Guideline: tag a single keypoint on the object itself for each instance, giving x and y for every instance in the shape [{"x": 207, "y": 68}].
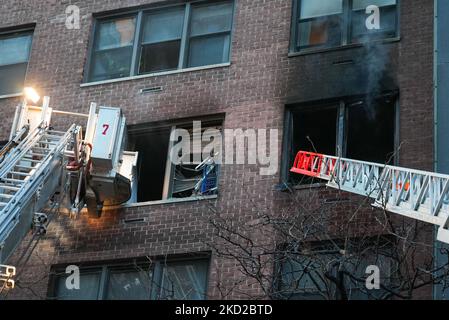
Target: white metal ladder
[
  {"x": 29, "y": 176},
  {"x": 416, "y": 194}
]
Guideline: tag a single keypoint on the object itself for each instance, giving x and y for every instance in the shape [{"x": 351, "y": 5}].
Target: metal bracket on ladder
[
  {"x": 39, "y": 223},
  {"x": 7, "y": 274},
  {"x": 416, "y": 194}
]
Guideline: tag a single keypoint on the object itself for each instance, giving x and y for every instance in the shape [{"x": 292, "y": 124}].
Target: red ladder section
[{"x": 308, "y": 163}]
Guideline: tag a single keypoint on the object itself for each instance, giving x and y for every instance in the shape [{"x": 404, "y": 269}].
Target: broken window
[
  {"x": 332, "y": 23},
  {"x": 161, "y": 39},
  {"x": 160, "y": 280},
  {"x": 160, "y": 178},
  {"x": 15, "y": 51},
  {"x": 360, "y": 129}
]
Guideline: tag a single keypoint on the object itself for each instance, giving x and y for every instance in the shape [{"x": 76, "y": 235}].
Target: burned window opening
[
  {"x": 358, "y": 128},
  {"x": 153, "y": 151},
  {"x": 160, "y": 179}
]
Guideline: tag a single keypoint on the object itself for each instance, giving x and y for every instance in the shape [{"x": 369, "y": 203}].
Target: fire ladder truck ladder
[
  {"x": 29, "y": 176},
  {"x": 416, "y": 194}
]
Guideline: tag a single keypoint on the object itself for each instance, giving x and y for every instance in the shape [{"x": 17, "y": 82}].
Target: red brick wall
[{"x": 252, "y": 92}]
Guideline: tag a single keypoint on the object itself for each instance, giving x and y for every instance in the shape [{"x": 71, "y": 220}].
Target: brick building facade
[{"x": 267, "y": 83}]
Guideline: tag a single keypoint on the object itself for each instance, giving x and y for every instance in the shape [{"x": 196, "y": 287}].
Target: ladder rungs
[
  {"x": 3, "y": 204},
  {"x": 23, "y": 174},
  {"x": 34, "y": 154},
  {"x": 40, "y": 148},
  {"x": 6, "y": 196},
  {"x": 25, "y": 167},
  {"x": 52, "y": 136},
  {"x": 13, "y": 180},
  {"x": 6, "y": 187},
  {"x": 31, "y": 160},
  {"x": 57, "y": 132}
]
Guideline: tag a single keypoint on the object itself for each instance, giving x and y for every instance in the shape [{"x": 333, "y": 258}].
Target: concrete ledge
[{"x": 156, "y": 74}]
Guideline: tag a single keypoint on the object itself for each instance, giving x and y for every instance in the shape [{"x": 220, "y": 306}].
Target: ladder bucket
[{"x": 308, "y": 163}]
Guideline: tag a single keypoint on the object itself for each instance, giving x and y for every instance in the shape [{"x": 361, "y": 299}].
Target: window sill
[
  {"x": 310, "y": 186},
  {"x": 169, "y": 201},
  {"x": 342, "y": 47},
  {"x": 14, "y": 95},
  {"x": 156, "y": 74}
]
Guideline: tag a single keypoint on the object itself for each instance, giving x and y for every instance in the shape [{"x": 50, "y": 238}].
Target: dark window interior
[
  {"x": 153, "y": 151},
  {"x": 160, "y": 56},
  {"x": 370, "y": 131},
  {"x": 315, "y": 130},
  {"x": 184, "y": 180},
  {"x": 366, "y": 132}
]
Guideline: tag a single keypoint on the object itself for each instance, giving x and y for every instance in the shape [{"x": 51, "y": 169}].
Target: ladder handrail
[
  {"x": 22, "y": 148},
  {"x": 7, "y": 213}
]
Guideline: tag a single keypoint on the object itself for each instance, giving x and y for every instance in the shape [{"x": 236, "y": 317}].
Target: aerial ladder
[
  {"x": 415, "y": 194},
  {"x": 75, "y": 168}
]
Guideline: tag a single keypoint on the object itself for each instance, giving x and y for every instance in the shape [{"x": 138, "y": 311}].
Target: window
[
  {"x": 161, "y": 280},
  {"x": 312, "y": 274},
  {"x": 361, "y": 129},
  {"x": 158, "y": 177},
  {"x": 112, "y": 52},
  {"x": 15, "y": 51},
  {"x": 148, "y": 41},
  {"x": 332, "y": 23}
]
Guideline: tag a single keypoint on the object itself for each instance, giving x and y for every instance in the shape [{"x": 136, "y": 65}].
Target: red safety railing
[{"x": 308, "y": 163}]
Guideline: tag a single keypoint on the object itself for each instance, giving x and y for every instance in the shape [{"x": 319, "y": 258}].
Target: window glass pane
[
  {"x": 209, "y": 50},
  {"x": 89, "y": 286},
  {"x": 160, "y": 56},
  {"x": 363, "y": 4},
  {"x": 15, "y": 49},
  {"x": 129, "y": 285},
  {"x": 320, "y": 31},
  {"x": 12, "y": 78},
  {"x": 186, "y": 281},
  {"x": 314, "y": 8},
  {"x": 211, "y": 19},
  {"x": 302, "y": 275},
  {"x": 358, "y": 266},
  {"x": 371, "y": 131},
  {"x": 109, "y": 64},
  {"x": 163, "y": 26},
  {"x": 388, "y": 22},
  {"x": 116, "y": 34}
]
